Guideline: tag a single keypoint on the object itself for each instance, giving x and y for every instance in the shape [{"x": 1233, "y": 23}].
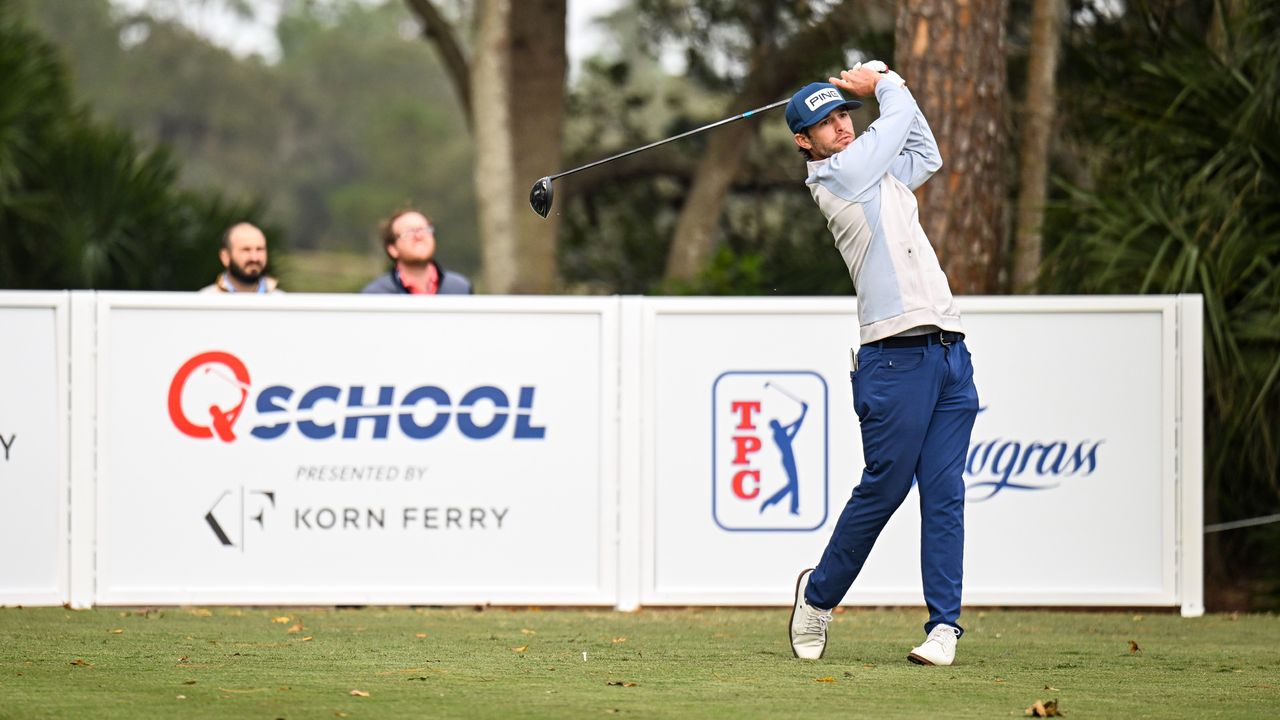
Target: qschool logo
[
  {"x": 210, "y": 392},
  {"x": 769, "y": 451},
  {"x": 816, "y": 100}
]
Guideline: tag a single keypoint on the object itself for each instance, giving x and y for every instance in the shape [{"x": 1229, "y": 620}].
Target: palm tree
[{"x": 1184, "y": 200}]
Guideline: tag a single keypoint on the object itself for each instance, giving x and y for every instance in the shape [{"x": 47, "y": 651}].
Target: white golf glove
[{"x": 880, "y": 67}]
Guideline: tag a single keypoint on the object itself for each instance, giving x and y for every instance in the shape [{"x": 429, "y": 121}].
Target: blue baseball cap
[{"x": 814, "y": 102}]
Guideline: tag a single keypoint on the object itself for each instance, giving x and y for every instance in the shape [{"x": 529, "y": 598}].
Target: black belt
[{"x": 944, "y": 337}]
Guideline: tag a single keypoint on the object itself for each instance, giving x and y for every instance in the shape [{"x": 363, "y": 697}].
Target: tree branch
[{"x": 440, "y": 33}]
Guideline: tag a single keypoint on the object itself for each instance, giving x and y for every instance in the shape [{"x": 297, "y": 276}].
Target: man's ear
[
  {"x": 392, "y": 252},
  {"x": 225, "y": 256},
  {"x": 802, "y": 139}
]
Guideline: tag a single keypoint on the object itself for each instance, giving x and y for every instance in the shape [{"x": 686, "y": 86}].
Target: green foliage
[
  {"x": 1183, "y": 199},
  {"x": 353, "y": 120},
  {"x": 81, "y": 205},
  {"x": 618, "y": 220}
]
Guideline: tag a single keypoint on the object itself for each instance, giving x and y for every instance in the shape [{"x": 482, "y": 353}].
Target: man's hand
[
  {"x": 859, "y": 80},
  {"x": 855, "y": 81}
]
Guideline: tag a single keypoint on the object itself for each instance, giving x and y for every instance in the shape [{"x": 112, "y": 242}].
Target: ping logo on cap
[{"x": 820, "y": 98}]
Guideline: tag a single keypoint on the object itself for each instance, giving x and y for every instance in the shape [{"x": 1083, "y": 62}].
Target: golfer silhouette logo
[
  {"x": 769, "y": 460},
  {"x": 783, "y": 435},
  {"x": 223, "y": 383}
]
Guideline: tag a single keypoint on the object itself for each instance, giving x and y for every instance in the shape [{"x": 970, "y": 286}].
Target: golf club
[
  {"x": 784, "y": 391},
  {"x": 540, "y": 196}
]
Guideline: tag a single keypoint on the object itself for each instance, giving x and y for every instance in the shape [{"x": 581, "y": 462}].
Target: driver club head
[{"x": 540, "y": 197}]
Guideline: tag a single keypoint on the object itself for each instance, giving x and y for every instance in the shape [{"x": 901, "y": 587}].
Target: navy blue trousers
[{"x": 916, "y": 407}]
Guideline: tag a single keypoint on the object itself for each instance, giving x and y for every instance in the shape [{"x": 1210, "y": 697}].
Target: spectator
[
  {"x": 410, "y": 242},
  {"x": 244, "y": 255}
]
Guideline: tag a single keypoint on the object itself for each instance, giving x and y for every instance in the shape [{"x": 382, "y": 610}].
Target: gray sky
[{"x": 245, "y": 38}]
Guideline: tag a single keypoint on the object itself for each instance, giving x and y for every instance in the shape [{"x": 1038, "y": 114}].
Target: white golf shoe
[
  {"x": 808, "y": 624},
  {"x": 938, "y": 649}
]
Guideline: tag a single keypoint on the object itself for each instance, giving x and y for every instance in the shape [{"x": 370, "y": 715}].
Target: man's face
[
  {"x": 415, "y": 239},
  {"x": 246, "y": 257},
  {"x": 832, "y": 134}
]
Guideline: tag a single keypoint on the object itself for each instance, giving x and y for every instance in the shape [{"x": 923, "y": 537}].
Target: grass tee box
[{"x": 390, "y": 663}]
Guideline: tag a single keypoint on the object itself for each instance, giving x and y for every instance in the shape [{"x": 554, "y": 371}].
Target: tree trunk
[
  {"x": 491, "y": 127},
  {"x": 952, "y": 57},
  {"x": 772, "y": 73},
  {"x": 1037, "y": 127},
  {"x": 441, "y": 34},
  {"x": 540, "y": 64}
]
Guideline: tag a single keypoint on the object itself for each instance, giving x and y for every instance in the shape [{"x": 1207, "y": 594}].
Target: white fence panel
[
  {"x": 338, "y": 449},
  {"x": 33, "y": 448},
  {"x": 341, "y": 449},
  {"x": 1072, "y": 480}
]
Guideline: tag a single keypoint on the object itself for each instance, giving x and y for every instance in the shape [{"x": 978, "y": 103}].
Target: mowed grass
[{"x": 731, "y": 663}]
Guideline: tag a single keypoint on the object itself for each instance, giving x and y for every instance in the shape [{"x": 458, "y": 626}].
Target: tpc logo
[
  {"x": 209, "y": 392},
  {"x": 769, "y": 451}
]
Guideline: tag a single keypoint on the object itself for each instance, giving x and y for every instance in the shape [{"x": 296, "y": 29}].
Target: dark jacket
[{"x": 451, "y": 283}]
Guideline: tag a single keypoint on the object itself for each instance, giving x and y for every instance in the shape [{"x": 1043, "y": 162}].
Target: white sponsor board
[
  {"x": 184, "y": 448},
  {"x": 33, "y": 448},
  {"x": 1072, "y": 480},
  {"x": 356, "y": 450}
]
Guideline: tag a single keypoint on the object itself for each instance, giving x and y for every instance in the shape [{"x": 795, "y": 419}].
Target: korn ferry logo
[
  {"x": 210, "y": 392},
  {"x": 769, "y": 451}
]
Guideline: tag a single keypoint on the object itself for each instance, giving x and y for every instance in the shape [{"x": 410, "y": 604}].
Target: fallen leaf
[
  {"x": 1133, "y": 648},
  {"x": 1044, "y": 709},
  {"x": 839, "y": 610},
  {"x": 182, "y": 697},
  {"x": 1050, "y": 688},
  {"x": 867, "y": 665},
  {"x": 183, "y": 659},
  {"x": 188, "y": 682},
  {"x": 522, "y": 648},
  {"x": 118, "y": 631},
  {"x": 1137, "y": 618},
  {"x": 341, "y": 714},
  {"x": 420, "y": 635},
  {"x": 825, "y": 679},
  {"x": 297, "y": 628},
  {"x": 81, "y": 663},
  {"x": 308, "y": 639},
  {"x": 359, "y": 693},
  {"x": 282, "y": 619},
  {"x": 201, "y": 612},
  {"x": 999, "y": 679},
  {"x": 527, "y": 631},
  {"x": 619, "y": 640}
]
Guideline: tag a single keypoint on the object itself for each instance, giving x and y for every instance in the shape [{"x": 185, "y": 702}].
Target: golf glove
[{"x": 880, "y": 67}]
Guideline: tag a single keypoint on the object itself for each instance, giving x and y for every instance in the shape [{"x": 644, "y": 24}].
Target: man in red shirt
[{"x": 410, "y": 241}]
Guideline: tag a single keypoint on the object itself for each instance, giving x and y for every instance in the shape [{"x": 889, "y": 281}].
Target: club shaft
[
  {"x": 786, "y": 392},
  {"x": 686, "y": 134}
]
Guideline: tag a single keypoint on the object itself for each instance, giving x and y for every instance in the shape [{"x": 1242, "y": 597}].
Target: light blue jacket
[{"x": 865, "y": 192}]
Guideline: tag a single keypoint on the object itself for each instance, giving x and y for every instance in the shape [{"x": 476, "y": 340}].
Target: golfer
[{"x": 912, "y": 378}]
